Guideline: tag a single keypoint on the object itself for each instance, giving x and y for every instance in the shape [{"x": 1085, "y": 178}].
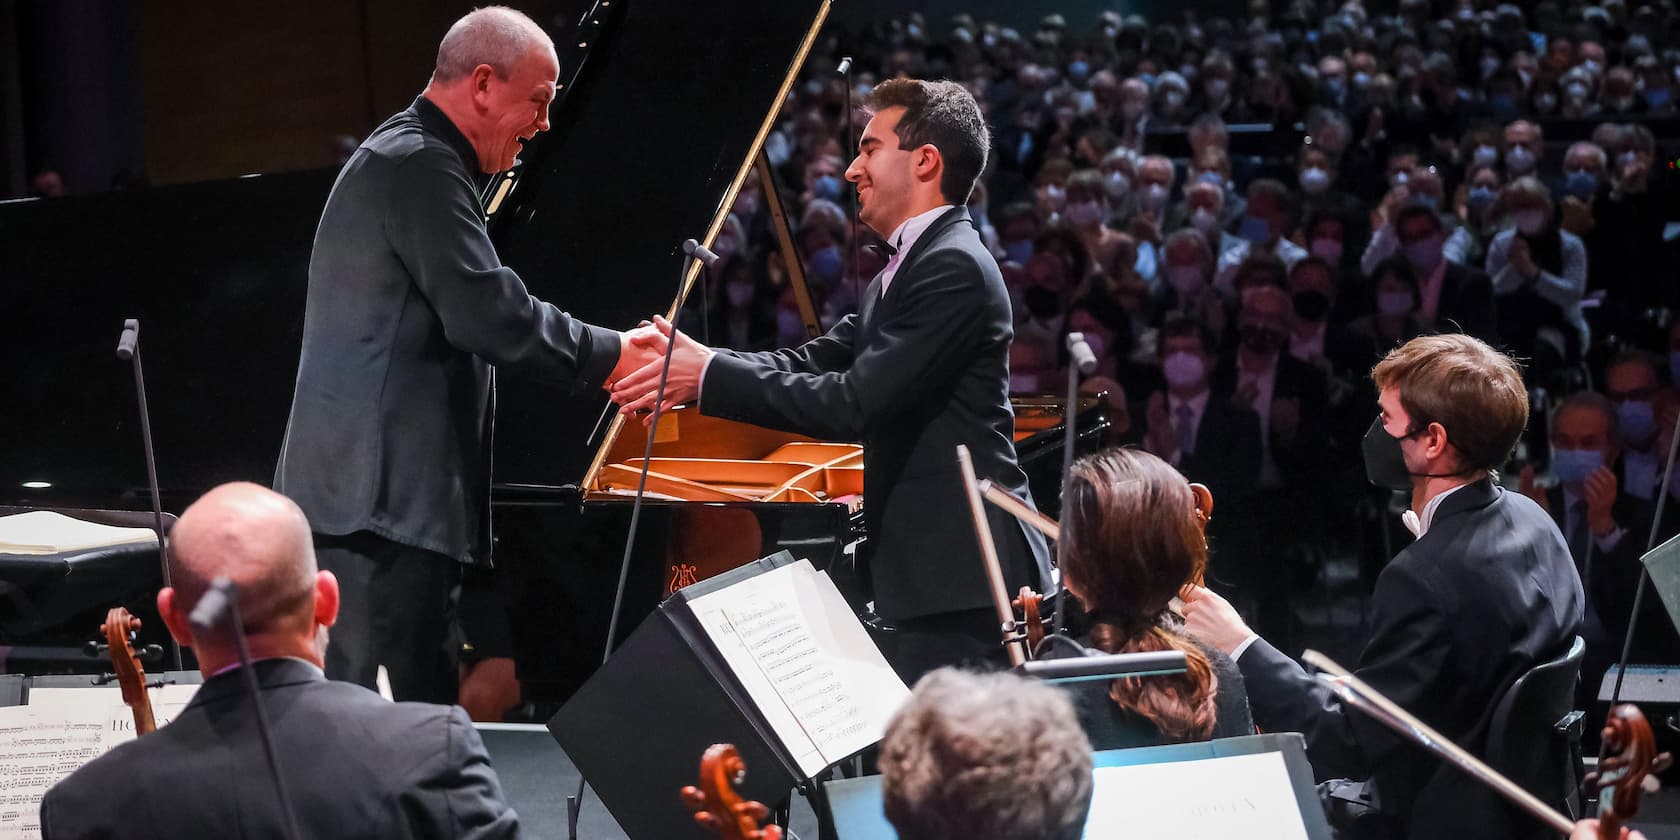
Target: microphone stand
[
  {"x": 691, "y": 249},
  {"x": 848, "y": 258},
  {"x": 223, "y": 597},
  {"x": 1080, "y": 359},
  {"x": 1644, "y": 573},
  {"x": 128, "y": 349}
]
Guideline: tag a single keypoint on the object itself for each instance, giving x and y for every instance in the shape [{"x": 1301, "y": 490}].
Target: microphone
[
  {"x": 845, "y": 66},
  {"x": 130, "y": 338},
  {"x": 128, "y": 350},
  {"x": 700, "y": 252},
  {"x": 212, "y": 604},
  {"x": 1080, "y": 353},
  {"x": 221, "y": 602}
]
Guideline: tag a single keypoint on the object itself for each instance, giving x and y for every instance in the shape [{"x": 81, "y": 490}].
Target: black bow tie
[{"x": 885, "y": 250}]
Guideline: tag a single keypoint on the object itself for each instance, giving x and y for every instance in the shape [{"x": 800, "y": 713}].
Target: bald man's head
[{"x": 260, "y": 540}]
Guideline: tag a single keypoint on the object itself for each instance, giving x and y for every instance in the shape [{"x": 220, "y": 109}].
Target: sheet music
[
  {"x": 49, "y": 532},
  {"x": 1247, "y": 796},
  {"x": 805, "y": 660},
  {"x": 60, "y": 730},
  {"x": 36, "y": 750}
]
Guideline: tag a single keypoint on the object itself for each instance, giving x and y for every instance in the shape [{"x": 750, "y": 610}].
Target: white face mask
[
  {"x": 1519, "y": 159},
  {"x": 1529, "y": 222},
  {"x": 1117, "y": 184},
  {"x": 1182, "y": 369},
  {"x": 1314, "y": 180},
  {"x": 1084, "y": 212},
  {"x": 1185, "y": 279},
  {"x": 740, "y": 294},
  {"x": 1205, "y": 221},
  {"x": 1155, "y": 197},
  {"x": 1097, "y": 343}
]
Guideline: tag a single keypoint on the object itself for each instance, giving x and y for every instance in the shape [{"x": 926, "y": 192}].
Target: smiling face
[
  {"x": 514, "y": 109},
  {"x": 885, "y": 174}
]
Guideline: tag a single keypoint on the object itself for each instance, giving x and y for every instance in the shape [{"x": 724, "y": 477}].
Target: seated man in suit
[
  {"x": 985, "y": 755},
  {"x": 1606, "y": 529},
  {"x": 1487, "y": 592},
  {"x": 355, "y": 765},
  {"x": 921, "y": 368}
]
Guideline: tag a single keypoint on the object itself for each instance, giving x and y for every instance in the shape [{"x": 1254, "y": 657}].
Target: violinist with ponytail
[{"x": 1134, "y": 531}]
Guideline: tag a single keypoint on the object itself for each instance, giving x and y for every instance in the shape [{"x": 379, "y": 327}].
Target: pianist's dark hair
[
  {"x": 1132, "y": 543},
  {"x": 945, "y": 116}
]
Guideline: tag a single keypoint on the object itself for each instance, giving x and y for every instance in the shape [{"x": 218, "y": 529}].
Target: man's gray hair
[
  {"x": 986, "y": 755},
  {"x": 1592, "y": 149},
  {"x": 494, "y": 35}
]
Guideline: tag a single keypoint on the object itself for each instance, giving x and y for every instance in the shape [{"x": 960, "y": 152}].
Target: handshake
[{"x": 643, "y": 356}]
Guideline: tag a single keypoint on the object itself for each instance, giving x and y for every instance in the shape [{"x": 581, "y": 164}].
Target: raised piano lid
[{"x": 648, "y": 148}]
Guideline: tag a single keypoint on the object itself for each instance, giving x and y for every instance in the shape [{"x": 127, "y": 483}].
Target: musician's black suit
[
  {"x": 355, "y": 766},
  {"x": 911, "y": 376},
  {"x": 1487, "y": 593}
]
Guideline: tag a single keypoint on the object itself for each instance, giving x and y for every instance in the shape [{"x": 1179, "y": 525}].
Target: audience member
[{"x": 985, "y": 755}]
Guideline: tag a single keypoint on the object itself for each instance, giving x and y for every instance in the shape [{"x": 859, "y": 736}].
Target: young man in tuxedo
[
  {"x": 921, "y": 368},
  {"x": 354, "y": 763},
  {"x": 1487, "y": 592}
]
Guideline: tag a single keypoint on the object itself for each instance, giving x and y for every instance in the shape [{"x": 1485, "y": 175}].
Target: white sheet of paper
[
  {"x": 60, "y": 730},
  {"x": 805, "y": 661},
  {"x": 49, "y": 532},
  {"x": 1247, "y": 796},
  {"x": 105, "y": 703}
]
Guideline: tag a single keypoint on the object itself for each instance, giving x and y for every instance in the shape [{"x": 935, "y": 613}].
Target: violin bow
[
  {"x": 1356, "y": 693},
  {"x": 1013, "y": 639}
]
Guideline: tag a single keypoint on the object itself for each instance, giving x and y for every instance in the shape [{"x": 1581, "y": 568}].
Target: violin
[
  {"x": 1627, "y": 758},
  {"x": 120, "y": 630},
  {"x": 716, "y": 805},
  {"x": 1031, "y": 605}
]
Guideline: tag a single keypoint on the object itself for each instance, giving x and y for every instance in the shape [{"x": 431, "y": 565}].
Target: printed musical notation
[
  {"x": 806, "y": 661},
  {"x": 59, "y": 731}
]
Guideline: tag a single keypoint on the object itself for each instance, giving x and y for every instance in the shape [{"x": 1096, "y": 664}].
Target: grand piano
[{"x": 663, "y": 110}]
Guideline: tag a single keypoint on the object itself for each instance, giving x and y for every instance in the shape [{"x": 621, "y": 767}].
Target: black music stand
[
  {"x": 39, "y": 593},
  {"x": 637, "y": 728}
]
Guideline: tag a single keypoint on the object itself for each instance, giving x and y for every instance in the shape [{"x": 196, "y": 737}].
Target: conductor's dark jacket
[
  {"x": 1487, "y": 593},
  {"x": 409, "y": 310},
  {"x": 355, "y": 766},
  {"x": 912, "y": 375}
]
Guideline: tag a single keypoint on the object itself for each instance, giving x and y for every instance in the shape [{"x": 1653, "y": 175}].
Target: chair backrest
[{"x": 1524, "y": 741}]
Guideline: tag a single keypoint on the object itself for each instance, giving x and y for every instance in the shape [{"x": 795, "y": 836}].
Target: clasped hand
[{"x": 634, "y": 384}]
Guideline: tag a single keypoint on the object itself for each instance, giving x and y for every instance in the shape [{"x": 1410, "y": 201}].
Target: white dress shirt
[{"x": 904, "y": 238}]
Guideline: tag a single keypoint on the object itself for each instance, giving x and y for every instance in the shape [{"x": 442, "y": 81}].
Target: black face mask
[
  {"x": 1261, "y": 341},
  {"x": 1042, "y": 303},
  {"x": 1385, "y": 463},
  {"x": 1312, "y": 305}
]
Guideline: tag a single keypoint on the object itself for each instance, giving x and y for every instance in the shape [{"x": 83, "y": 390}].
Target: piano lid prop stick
[
  {"x": 1013, "y": 505},
  {"x": 1357, "y": 694},
  {"x": 988, "y": 553}
]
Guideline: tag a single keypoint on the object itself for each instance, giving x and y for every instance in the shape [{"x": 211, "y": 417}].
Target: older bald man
[{"x": 355, "y": 764}]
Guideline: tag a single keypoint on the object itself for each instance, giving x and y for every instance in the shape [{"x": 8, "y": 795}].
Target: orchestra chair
[{"x": 1535, "y": 734}]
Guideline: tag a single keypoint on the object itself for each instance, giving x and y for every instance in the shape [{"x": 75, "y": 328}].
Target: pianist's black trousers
[{"x": 396, "y": 609}]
